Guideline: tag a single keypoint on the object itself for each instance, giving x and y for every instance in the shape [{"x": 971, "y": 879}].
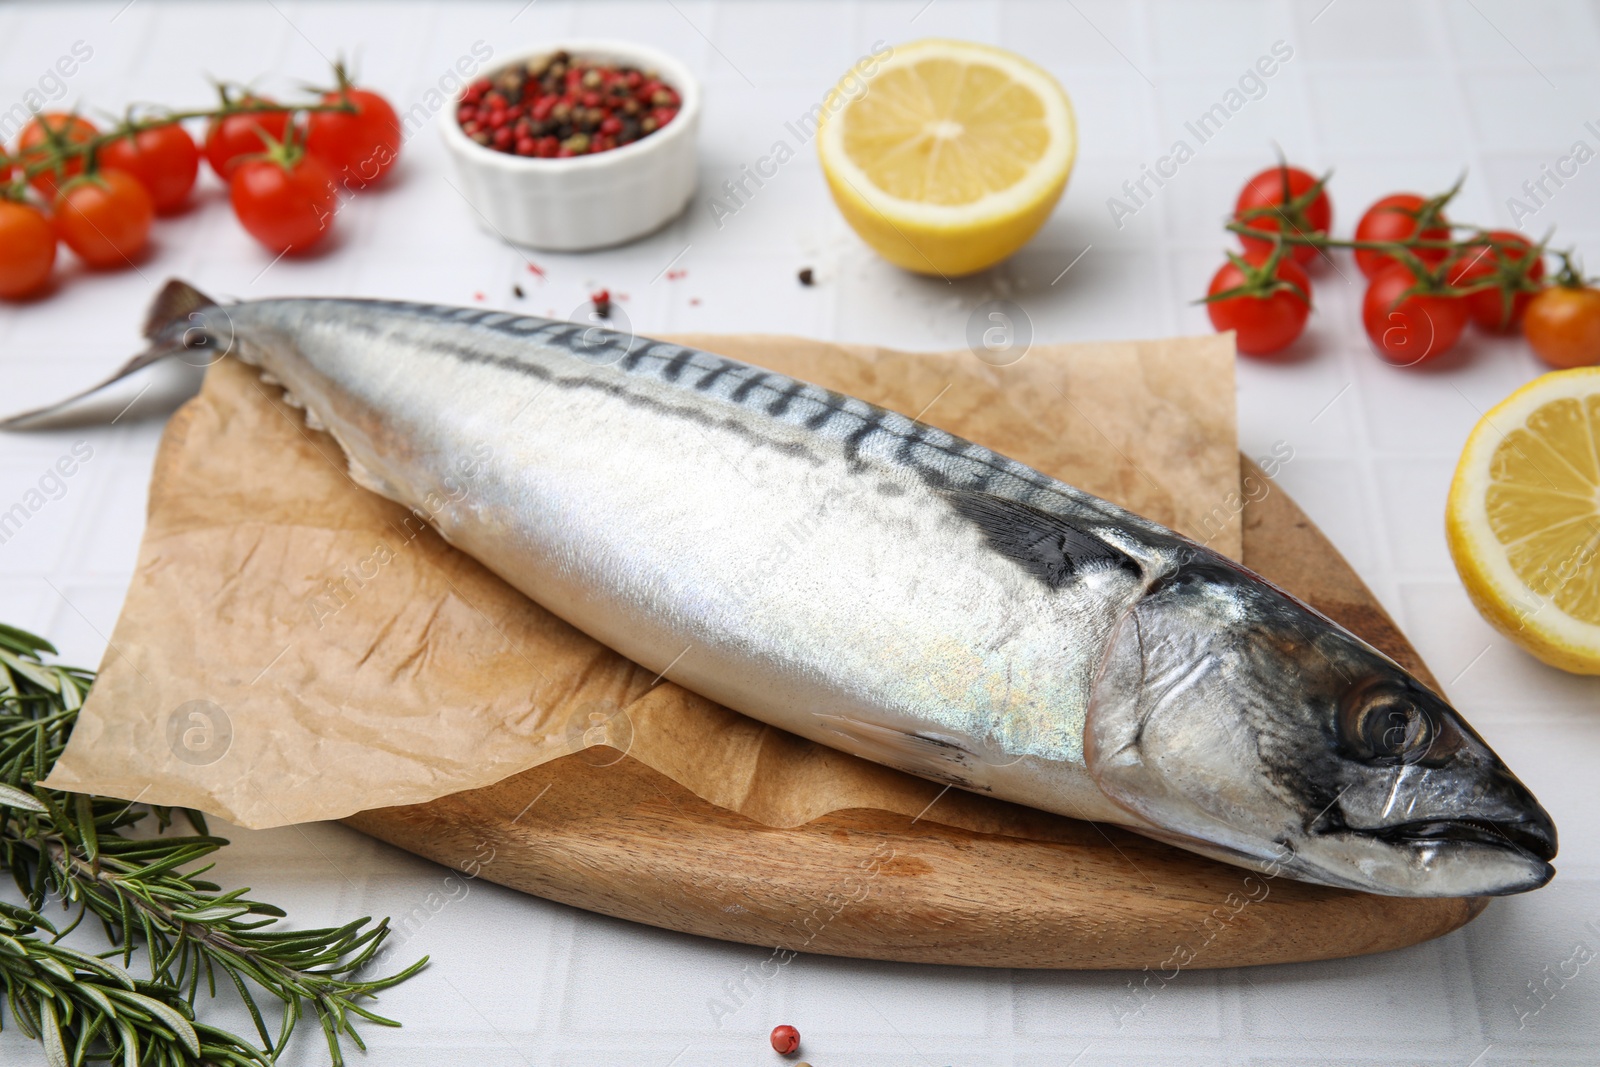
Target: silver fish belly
[{"x": 877, "y": 585}]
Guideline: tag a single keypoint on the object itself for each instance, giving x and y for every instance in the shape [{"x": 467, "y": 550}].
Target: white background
[{"x": 1392, "y": 95}]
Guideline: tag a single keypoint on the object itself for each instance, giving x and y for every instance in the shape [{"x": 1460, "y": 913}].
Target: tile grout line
[{"x": 1385, "y": 583}]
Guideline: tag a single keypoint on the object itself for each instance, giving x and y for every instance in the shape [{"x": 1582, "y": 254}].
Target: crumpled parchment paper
[{"x": 295, "y": 648}]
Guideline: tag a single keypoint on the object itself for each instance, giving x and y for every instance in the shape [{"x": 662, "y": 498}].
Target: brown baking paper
[{"x": 295, "y": 648}]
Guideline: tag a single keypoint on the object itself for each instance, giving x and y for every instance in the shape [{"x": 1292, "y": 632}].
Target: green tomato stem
[{"x": 52, "y": 157}]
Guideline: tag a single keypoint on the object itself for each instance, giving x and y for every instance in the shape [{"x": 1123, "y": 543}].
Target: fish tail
[
  {"x": 178, "y": 302},
  {"x": 175, "y": 303}
]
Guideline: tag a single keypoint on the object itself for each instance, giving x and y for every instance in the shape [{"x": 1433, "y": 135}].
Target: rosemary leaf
[{"x": 148, "y": 895}]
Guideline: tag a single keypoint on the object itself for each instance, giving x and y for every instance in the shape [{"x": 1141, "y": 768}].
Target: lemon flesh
[
  {"x": 950, "y": 156},
  {"x": 1523, "y": 520}
]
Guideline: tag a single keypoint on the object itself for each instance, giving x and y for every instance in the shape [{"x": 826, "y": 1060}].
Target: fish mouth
[
  {"x": 1534, "y": 838},
  {"x": 1438, "y": 856}
]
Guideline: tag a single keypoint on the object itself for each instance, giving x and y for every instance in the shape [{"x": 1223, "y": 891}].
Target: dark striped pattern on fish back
[{"x": 863, "y": 431}]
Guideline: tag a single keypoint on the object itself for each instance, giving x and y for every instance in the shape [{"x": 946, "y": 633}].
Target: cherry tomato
[
  {"x": 1392, "y": 219},
  {"x": 1266, "y": 190},
  {"x": 32, "y": 147},
  {"x": 286, "y": 206},
  {"x": 1488, "y": 308},
  {"x": 240, "y": 135},
  {"x": 359, "y": 147},
  {"x": 105, "y": 218},
  {"x": 1418, "y": 328},
  {"x": 1563, "y": 326},
  {"x": 1262, "y": 324},
  {"x": 27, "y": 249},
  {"x": 163, "y": 158}
]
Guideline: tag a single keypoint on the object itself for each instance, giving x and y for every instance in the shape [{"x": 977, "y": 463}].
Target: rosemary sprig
[{"x": 153, "y": 903}]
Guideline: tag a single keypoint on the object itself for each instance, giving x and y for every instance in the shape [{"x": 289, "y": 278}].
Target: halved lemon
[
  {"x": 948, "y": 156},
  {"x": 1523, "y": 519}
]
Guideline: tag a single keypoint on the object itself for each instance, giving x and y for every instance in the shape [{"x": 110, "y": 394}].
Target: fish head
[{"x": 1242, "y": 724}]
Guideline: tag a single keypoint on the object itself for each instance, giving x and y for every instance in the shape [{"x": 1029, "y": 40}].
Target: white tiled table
[{"x": 1393, "y": 95}]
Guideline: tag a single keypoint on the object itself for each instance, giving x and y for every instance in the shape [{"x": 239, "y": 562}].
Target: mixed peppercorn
[{"x": 557, "y": 106}]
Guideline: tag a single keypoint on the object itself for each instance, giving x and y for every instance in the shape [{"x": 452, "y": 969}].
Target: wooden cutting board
[{"x": 624, "y": 840}]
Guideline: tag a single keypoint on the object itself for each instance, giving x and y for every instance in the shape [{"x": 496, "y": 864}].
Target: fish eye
[
  {"x": 1386, "y": 724},
  {"x": 1396, "y": 729}
]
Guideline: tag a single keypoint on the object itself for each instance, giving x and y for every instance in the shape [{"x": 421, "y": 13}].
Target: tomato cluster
[
  {"x": 1426, "y": 277},
  {"x": 100, "y": 192}
]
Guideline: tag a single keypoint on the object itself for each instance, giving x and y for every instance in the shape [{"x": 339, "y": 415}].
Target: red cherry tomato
[
  {"x": 1393, "y": 219},
  {"x": 27, "y": 249},
  {"x": 1563, "y": 326},
  {"x": 105, "y": 218},
  {"x": 240, "y": 135},
  {"x": 287, "y": 207},
  {"x": 1267, "y": 190},
  {"x": 32, "y": 147},
  {"x": 1262, "y": 324},
  {"x": 1414, "y": 330},
  {"x": 163, "y": 158},
  {"x": 1488, "y": 307},
  {"x": 358, "y": 147}
]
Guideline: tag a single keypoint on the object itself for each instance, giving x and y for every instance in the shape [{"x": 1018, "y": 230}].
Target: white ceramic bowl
[{"x": 590, "y": 201}]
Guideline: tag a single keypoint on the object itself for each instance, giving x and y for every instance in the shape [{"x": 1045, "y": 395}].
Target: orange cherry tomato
[
  {"x": 1563, "y": 325},
  {"x": 27, "y": 249}
]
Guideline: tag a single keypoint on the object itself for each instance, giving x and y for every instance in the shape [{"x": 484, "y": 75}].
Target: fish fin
[
  {"x": 175, "y": 303},
  {"x": 1052, "y": 548},
  {"x": 355, "y": 468},
  {"x": 365, "y": 478},
  {"x": 942, "y": 759}
]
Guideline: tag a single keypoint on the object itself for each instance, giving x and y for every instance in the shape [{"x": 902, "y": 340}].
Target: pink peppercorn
[{"x": 785, "y": 1039}]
